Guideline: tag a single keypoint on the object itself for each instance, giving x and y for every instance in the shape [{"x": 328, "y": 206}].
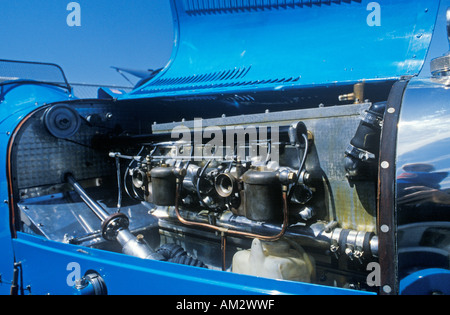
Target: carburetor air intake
[
  {"x": 262, "y": 195},
  {"x": 163, "y": 186}
]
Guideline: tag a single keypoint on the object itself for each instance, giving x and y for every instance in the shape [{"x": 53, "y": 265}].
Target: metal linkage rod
[{"x": 92, "y": 204}]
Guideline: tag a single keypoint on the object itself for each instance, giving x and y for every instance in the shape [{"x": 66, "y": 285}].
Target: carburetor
[{"x": 247, "y": 186}]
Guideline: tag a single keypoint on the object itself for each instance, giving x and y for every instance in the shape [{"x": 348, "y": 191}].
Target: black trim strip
[{"x": 386, "y": 221}]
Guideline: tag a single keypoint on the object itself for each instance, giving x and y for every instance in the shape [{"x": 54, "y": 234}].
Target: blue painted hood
[{"x": 222, "y": 46}]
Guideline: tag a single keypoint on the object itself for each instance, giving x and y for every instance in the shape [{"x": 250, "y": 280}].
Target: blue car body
[{"x": 234, "y": 58}]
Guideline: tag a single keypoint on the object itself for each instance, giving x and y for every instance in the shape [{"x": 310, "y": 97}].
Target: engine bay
[{"x": 289, "y": 195}]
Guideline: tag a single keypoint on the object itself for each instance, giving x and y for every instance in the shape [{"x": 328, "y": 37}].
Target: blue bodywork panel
[
  {"x": 135, "y": 276},
  {"x": 279, "y": 45},
  {"x": 425, "y": 282},
  {"x": 17, "y": 100}
]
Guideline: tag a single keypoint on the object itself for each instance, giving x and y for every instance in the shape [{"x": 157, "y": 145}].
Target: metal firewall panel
[
  {"x": 42, "y": 159},
  {"x": 223, "y": 46}
]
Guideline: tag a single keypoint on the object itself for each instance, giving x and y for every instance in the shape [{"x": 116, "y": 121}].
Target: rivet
[
  {"x": 385, "y": 164},
  {"x": 384, "y": 228},
  {"x": 387, "y": 289},
  {"x": 391, "y": 110}
]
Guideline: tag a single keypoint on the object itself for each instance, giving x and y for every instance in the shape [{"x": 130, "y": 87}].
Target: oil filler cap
[
  {"x": 62, "y": 121},
  {"x": 440, "y": 67}
]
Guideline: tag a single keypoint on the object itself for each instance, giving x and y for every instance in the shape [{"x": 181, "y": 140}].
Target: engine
[
  {"x": 254, "y": 187},
  {"x": 285, "y": 195},
  {"x": 307, "y": 166}
]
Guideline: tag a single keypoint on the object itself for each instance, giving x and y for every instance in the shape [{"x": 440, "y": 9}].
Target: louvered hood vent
[
  {"x": 196, "y": 7},
  {"x": 246, "y": 46}
]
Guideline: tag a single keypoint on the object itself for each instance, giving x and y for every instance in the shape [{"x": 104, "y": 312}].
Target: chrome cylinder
[
  {"x": 136, "y": 246},
  {"x": 225, "y": 185}
]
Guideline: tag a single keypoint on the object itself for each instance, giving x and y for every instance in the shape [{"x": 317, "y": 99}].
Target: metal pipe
[
  {"x": 155, "y": 138},
  {"x": 92, "y": 204},
  {"x": 235, "y": 232},
  {"x": 119, "y": 185},
  {"x": 125, "y": 157},
  {"x": 223, "y": 247},
  {"x": 136, "y": 246},
  {"x": 319, "y": 235}
]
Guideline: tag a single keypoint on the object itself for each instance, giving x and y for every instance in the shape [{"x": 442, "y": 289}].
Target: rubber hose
[{"x": 176, "y": 254}]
